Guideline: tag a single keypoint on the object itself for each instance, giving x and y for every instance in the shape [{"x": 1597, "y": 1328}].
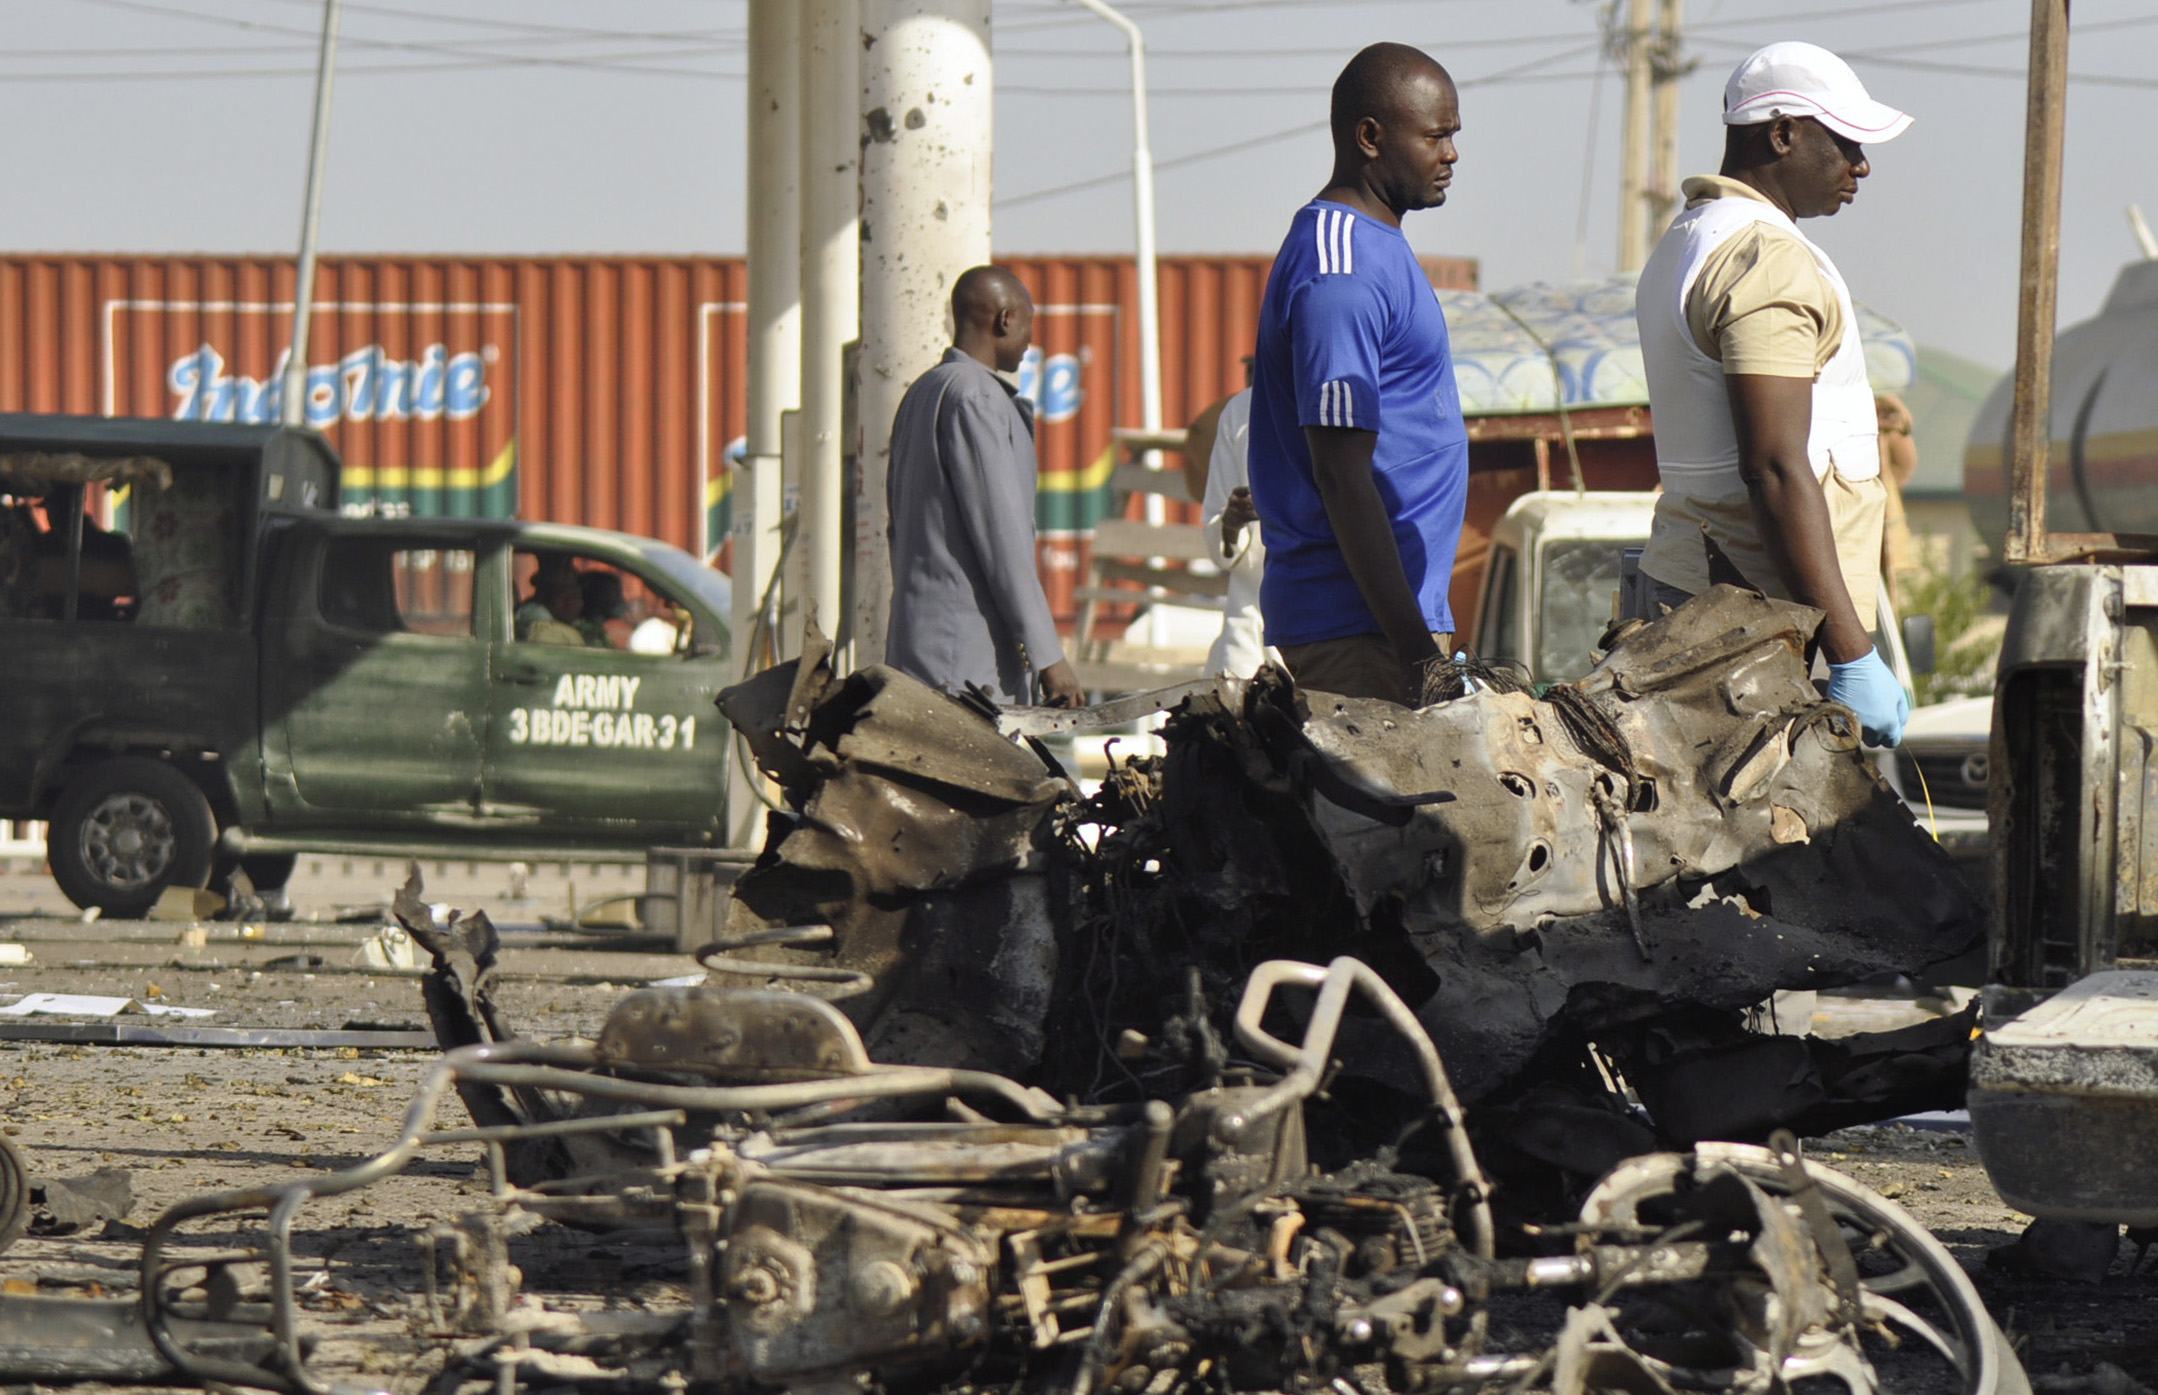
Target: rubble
[
  {"x": 1071, "y": 1104},
  {"x": 1614, "y": 869},
  {"x": 928, "y": 844},
  {"x": 845, "y": 1221}
]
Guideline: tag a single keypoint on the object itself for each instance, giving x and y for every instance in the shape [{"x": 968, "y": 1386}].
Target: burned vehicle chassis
[
  {"x": 1254, "y": 1173},
  {"x": 847, "y": 1223}
]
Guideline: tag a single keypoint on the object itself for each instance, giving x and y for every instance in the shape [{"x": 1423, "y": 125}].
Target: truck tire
[{"x": 124, "y": 830}]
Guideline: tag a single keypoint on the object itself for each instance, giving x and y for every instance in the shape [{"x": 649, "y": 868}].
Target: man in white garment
[
  {"x": 1232, "y": 526},
  {"x": 1766, "y": 437}
]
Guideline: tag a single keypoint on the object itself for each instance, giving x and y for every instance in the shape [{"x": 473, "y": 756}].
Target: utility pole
[
  {"x": 293, "y": 391},
  {"x": 926, "y": 142},
  {"x": 1648, "y": 159},
  {"x": 774, "y": 157},
  {"x": 1661, "y": 197},
  {"x": 1142, "y": 186},
  {"x": 1634, "y": 140},
  {"x": 831, "y": 294}
]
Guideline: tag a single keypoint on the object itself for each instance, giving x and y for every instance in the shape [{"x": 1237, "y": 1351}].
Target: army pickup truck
[{"x": 210, "y": 668}]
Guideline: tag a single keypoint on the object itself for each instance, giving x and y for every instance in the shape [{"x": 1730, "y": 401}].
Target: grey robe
[{"x": 967, "y": 602}]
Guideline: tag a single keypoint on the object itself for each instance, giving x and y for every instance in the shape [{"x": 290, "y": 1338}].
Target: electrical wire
[
  {"x": 525, "y": 26},
  {"x": 464, "y": 53},
  {"x": 1519, "y": 73},
  {"x": 694, "y": 40},
  {"x": 1606, "y": 25},
  {"x": 2083, "y": 27},
  {"x": 1138, "y": 9},
  {"x": 1267, "y": 90},
  {"x": 1433, "y": 46},
  {"x": 345, "y": 70},
  {"x": 1441, "y": 47},
  {"x": 1168, "y": 9},
  {"x": 1892, "y": 58},
  {"x": 1932, "y": 823}
]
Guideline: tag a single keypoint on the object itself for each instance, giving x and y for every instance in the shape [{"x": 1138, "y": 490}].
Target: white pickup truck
[{"x": 1550, "y": 589}]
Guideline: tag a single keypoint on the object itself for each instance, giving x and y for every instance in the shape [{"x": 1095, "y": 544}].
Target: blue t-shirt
[{"x": 1351, "y": 334}]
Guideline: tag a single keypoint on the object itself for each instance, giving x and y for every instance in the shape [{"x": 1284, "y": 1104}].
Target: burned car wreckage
[{"x": 1296, "y": 1058}]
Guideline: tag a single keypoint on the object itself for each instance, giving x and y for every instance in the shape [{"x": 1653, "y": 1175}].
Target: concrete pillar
[
  {"x": 831, "y": 289},
  {"x": 774, "y": 175},
  {"x": 926, "y": 114}
]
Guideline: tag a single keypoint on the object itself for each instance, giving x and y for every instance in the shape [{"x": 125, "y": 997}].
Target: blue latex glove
[{"x": 1871, "y": 691}]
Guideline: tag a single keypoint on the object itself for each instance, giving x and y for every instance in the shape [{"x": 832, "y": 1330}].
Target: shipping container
[{"x": 607, "y": 391}]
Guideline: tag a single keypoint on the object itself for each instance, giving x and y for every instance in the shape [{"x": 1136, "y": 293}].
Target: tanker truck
[{"x": 2102, "y": 467}]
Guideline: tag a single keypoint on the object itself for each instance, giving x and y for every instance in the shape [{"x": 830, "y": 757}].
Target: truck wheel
[{"x": 125, "y": 830}]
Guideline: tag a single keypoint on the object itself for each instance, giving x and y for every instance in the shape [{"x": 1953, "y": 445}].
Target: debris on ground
[
  {"x": 71, "y": 1205},
  {"x": 987, "y": 1084},
  {"x": 951, "y": 1229}
]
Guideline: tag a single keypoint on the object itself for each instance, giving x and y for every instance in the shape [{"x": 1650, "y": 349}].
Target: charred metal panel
[
  {"x": 1685, "y": 831},
  {"x": 2064, "y": 1101},
  {"x": 2074, "y": 792},
  {"x": 1689, "y": 827},
  {"x": 925, "y": 839}
]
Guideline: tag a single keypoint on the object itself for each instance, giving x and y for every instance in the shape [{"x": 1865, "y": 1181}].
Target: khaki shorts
[
  {"x": 1360, "y": 666},
  {"x": 1677, "y": 557}
]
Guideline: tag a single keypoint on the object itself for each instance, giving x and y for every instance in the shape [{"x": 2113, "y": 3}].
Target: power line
[
  {"x": 344, "y": 70},
  {"x": 2021, "y": 35},
  {"x": 1436, "y": 47},
  {"x": 1440, "y": 47},
  {"x": 688, "y": 40},
  {"x": 1588, "y": 163},
  {"x": 1750, "y": 21},
  {"x": 1004, "y": 89},
  {"x": 2019, "y": 74},
  {"x": 1894, "y": 58},
  {"x": 463, "y": 52},
  {"x": 161, "y": 51},
  {"x": 467, "y": 55},
  {"x": 1524, "y": 72},
  {"x": 526, "y": 26},
  {"x": 1138, "y": 9}
]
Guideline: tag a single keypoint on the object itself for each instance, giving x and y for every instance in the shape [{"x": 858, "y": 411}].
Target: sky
[{"x": 550, "y": 126}]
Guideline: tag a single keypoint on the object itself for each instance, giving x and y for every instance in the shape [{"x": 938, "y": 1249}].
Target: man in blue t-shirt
[{"x": 1359, "y": 458}]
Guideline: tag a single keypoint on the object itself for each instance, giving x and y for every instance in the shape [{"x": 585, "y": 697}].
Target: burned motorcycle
[{"x": 845, "y": 1225}]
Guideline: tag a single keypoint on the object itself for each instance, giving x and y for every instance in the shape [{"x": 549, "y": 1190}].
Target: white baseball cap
[{"x": 1794, "y": 79}]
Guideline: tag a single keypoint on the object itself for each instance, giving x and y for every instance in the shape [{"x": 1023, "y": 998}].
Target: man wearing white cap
[{"x": 1766, "y": 436}]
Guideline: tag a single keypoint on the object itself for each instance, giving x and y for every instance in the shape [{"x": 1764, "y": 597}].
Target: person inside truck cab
[
  {"x": 105, "y": 590},
  {"x": 606, "y": 622},
  {"x": 551, "y": 613}
]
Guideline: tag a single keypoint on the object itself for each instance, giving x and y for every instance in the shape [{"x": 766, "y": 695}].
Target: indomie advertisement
[
  {"x": 1070, "y": 376},
  {"x": 1075, "y": 349},
  {"x": 419, "y": 399}
]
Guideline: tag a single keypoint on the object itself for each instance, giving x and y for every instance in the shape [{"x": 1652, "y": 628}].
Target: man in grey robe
[{"x": 967, "y": 602}]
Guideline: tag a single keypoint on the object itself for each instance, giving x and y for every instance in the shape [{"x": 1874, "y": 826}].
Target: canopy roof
[{"x": 1530, "y": 348}]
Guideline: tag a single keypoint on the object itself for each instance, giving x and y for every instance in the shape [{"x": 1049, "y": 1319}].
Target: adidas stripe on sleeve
[
  {"x": 1337, "y": 324},
  {"x": 1334, "y": 230}
]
